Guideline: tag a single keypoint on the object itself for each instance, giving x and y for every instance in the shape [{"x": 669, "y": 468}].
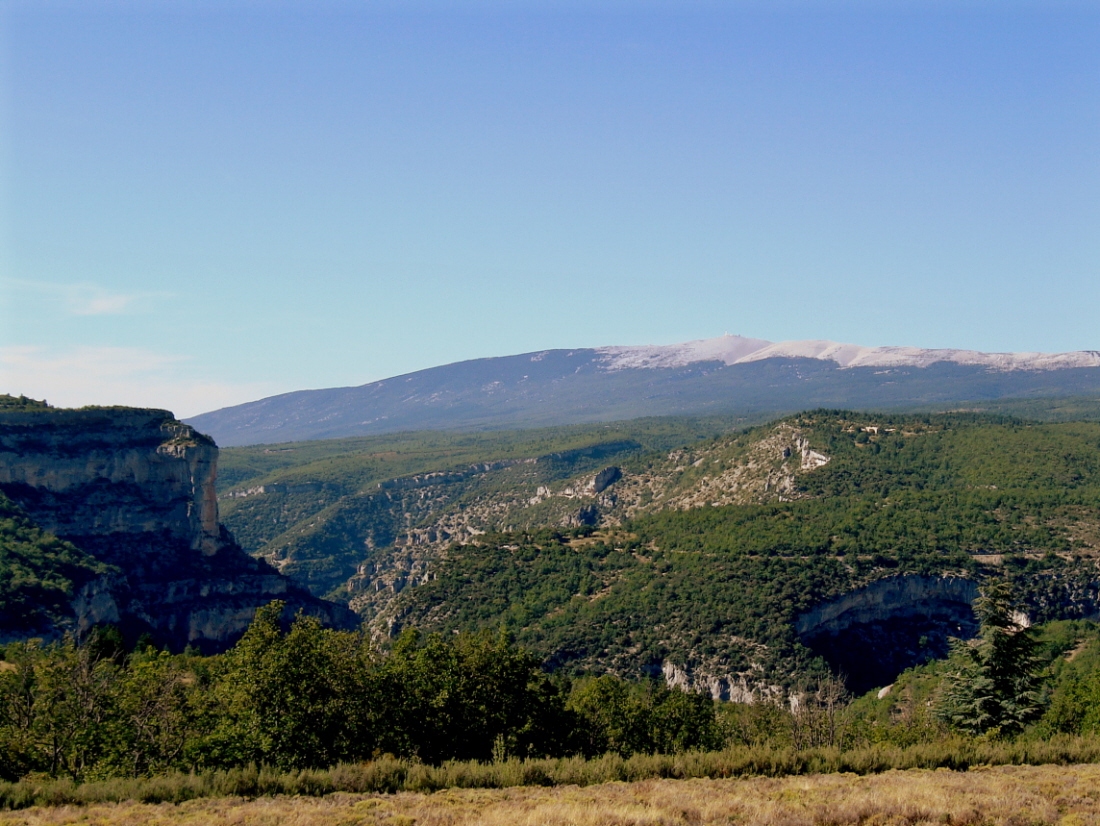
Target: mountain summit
[
  {"x": 728, "y": 375},
  {"x": 739, "y": 350}
]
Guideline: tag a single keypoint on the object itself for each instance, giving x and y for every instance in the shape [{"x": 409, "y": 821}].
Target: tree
[
  {"x": 469, "y": 697},
  {"x": 57, "y": 706},
  {"x": 611, "y": 720},
  {"x": 616, "y": 717},
  {"x": 816, "y": 715},
  {"x": 155, "y": 709},
  {"x": 997, "y": 687},
  {"x": 297, "y": 699}
]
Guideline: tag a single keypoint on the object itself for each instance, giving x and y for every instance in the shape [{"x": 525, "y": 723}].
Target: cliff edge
[{"x": 135, "y": 490}]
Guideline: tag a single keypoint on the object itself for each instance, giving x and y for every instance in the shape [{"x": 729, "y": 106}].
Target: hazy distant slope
[{"x": 749, "y": 378}]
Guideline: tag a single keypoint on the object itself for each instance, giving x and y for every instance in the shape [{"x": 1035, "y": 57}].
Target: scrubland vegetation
[{"x": 984, "y": 796}]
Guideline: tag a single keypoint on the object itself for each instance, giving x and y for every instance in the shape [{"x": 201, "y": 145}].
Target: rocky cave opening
[{"x": 871, "y": 635}]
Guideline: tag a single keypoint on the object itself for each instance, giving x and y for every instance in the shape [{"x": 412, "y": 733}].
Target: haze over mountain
[{"x": 729, "y": 375}]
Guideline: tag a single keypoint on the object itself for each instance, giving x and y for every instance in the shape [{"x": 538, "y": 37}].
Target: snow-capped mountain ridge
[
  {"x": 749, "y": 378},
  {"x": 732, "y": 349}
]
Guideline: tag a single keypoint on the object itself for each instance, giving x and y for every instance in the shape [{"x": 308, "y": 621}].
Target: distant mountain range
[{"x": 729, "y": 375}]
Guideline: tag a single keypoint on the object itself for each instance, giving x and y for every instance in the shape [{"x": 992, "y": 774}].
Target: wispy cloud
[
  {"x": 86, "y": 298},
  {"x": 78, "y": 376}
]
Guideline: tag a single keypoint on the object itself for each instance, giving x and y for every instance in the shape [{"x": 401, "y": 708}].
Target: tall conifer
[{"x": 998, "y": 685}]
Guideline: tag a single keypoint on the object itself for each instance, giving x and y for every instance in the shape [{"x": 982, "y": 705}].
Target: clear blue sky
[{"x": 206, "y": 203}]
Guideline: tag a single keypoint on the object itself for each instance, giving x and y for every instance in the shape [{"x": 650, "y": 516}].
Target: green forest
[{"x": 293, "y": 695}]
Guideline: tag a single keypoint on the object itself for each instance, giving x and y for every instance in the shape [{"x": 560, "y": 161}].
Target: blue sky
[{"x": 207, "y": 203}]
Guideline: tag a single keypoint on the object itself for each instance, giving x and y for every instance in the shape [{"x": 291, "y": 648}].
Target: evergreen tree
[{"x": 997, "y": 688}]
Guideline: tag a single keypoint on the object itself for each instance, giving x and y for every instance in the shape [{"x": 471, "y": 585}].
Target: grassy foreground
[
  {"x": 959, "y": 781},
  {"x": 1008, "y": 795}
]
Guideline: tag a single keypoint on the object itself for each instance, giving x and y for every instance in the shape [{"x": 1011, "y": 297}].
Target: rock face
[
  {"x": 135, "y": 489},
  {"x": 90, "y": 473},
  {"x": 738, "y": 688},
  {"x": 873, "y": 633}
]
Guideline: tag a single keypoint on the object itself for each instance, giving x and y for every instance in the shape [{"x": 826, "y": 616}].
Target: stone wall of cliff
[
  {"x": 86, "y": 473},
  {"x": 136, "y": 489}
]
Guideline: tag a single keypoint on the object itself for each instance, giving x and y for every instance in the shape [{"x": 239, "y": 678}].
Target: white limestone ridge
[{"x": 739, "y": 350}]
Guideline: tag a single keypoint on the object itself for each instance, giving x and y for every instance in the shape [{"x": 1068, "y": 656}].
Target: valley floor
[{"x": 1002, "y": 795}]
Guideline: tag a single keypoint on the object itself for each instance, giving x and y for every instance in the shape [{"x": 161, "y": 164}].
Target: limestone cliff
[{"x": 136, "y": 489}]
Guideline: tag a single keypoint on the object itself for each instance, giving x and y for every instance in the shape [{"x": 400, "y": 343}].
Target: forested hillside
[
  {"x": 320, "y": 511},
  {"x": 713, "y": 594},
  {"x": 666, "y": 546}
]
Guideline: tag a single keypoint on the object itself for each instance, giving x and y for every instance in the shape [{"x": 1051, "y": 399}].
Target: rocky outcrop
[
  {"x": 603, "y": 480},
  {"x": 136, "y": 489},
  {"x": 749, "y": 687},
  {"x": 86, "y": 473},
  {"x": 718, "y": 474},
  {"x": 257, "y": 490}
]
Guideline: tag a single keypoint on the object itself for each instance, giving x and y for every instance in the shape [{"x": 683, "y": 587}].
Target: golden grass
[{"x": 1000, "y": 796}]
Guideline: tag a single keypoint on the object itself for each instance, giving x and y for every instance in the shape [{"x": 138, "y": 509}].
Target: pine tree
[{"x": 997, "y": 688}]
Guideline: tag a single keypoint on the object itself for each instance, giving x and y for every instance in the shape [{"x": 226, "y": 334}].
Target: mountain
[
  {"x": 110, "y": 515},
  {"x": 731, "y": 375}
]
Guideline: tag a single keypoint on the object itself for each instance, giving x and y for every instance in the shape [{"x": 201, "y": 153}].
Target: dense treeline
[
  {"x": 309, "y": 697},
  {"x": 313, "y": 697}
]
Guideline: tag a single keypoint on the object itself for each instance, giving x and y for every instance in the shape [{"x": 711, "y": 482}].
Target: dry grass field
[{"x": 1000, "y": 796}]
